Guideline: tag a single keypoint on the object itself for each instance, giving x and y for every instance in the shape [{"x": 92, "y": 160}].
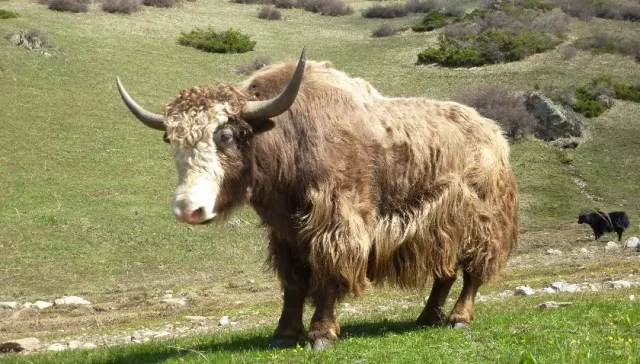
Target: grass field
[{"x": 85, "y": 197}]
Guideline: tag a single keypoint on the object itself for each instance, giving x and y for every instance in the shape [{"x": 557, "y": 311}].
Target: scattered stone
[
  {"x": 505, "y": 294},
  {"x": 57, "y": 347},
  {"x": 383, "y": 308},
  {"x": 554, "y": 252},
  {"x": 564, "y": 287},
  {"x": 71, "y": 300},
  {"x": 161, "y": 334},
  {"x": 74, "y": 344},
  {"x": 33, "y": 40},
  {"x": 176, "y": 301},
  {"x": 17, "y": 346},
  {"x": 43, "y": 304},
  {"x": 594, "y": 287},
  {"x": 632, "y": 297},
  {"x": 549, "y": 290},
  {"x": 620, "y": 284},
  {"x": 584, "y": 251},
  {"x": 8, "y": 305},
  {"x": 167, "y": 296},
  {"x": 89, "y": 346},
  {"x": 168, "y": 291},
  {"x": 524, "y": 291},
  {"x": 27, "y": 305},
  {"x": 553, "y": 304},
  {"x": 224, "y": 321},
  {"x": 611, "y": 246},
  {"x": 632, "y": 242}
]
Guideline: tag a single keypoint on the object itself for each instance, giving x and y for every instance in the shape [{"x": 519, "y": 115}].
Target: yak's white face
[{"x": 197, "y": 140}]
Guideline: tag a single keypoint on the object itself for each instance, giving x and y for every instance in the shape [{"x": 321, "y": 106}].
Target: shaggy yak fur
[
  {"x": 602, "y": 222},
  {"x": 358, "y": 188}
]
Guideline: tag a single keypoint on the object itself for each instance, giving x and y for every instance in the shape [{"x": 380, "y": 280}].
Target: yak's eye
[{"x": 223, "y": 138}]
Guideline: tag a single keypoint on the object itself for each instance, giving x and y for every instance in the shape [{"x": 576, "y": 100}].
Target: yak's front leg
[
  {"x": 324, "y": 329},
  {"x": 290, "y": 326}
]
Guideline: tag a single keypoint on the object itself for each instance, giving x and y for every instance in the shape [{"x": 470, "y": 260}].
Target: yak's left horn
[
  {"x": 255, "y": 110},
  {"x": 154, "y": 121}
]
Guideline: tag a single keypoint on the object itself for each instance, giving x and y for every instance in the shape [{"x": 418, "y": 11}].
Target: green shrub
[
  {"x": 621, "y": 91},
  {"x": 433, "y": 20},
  {"x": 8, "y": 14},
  {"x": 586, "y": 105},
  {"x": 384, "y": 11},
  {"x": 208, "y": 40},
  {"x": 491, "y": 46},
  {"x": 535, "y": 4}
]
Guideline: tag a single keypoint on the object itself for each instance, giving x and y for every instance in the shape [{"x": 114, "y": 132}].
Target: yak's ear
[
  {"x": 165, "y": 138},
  {"x": 260, "y": 126}
]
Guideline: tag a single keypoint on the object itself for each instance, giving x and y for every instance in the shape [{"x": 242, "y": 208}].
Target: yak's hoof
[
  {"x": 320, "y": 344},
  {"x": 431, "y": 320},
  {"x": 283, "y": 343},
  {"x": 461, "y": 325}
]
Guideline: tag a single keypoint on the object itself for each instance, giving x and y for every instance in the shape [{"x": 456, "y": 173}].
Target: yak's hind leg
[
  {"x": 433, "y": 313},
  {"x": 462, "y": 313}
]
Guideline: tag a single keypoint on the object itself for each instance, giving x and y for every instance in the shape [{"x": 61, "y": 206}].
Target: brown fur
[{"x": 358, "y": 188}]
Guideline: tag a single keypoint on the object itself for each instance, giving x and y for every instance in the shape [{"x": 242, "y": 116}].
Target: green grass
[
  {"x": 8, "y": 14},
  {"x": 85, "y": 203},
  {"x": 596, "y": 328}
]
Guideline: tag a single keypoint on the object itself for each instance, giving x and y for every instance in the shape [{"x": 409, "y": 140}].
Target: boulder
[
  {"x": 554, "y": 121},
  {"x": 632, "y": 242}
]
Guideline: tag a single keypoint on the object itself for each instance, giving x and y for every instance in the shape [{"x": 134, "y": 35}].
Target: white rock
[
  {"x": 168, "y": 296},
  {"x": 71, "y": 300},
  {"x": 632, "y": 242},
  {"x": 524, "y": 291},
  {"x": 549, "y": 290},
  {"x": 553, "y": 304},
  {"x": 554, "y": 252},
  {"x": 74, "y": 344},
  {"x": 27, "y": 305},
  {"x": 620, "y": 284},
  {"x": 89, "y": 346},
  {"x": 17, "y": 346},
  {"x": 594, "y": 287},
  {"x": 224, "y": 321},
  {"x": 176, "y": 301},
  {"x": 8, "y": 305},
  {"x": 611, "y": 246},
  {"x": 632, "y": 297},
  {"x": 57, "y": 347},
  {"x": 43, "y": 304},
  {"x": 564, "y": 287}
]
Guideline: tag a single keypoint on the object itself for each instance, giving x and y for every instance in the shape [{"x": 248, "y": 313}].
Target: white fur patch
[{"x": 200, "y": 173}]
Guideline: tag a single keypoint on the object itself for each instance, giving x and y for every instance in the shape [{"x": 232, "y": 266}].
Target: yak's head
[
  {"x": 583, "y": 218},
  {"x": 210, "y": 130}
]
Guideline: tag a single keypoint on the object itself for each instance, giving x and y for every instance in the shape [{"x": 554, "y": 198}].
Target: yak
[
  {"x": 355, "y": 188},
  {"x": 602, "y": 222}
]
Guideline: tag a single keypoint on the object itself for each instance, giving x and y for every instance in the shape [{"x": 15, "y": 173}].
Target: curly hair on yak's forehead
[{"x": 189, "y": 115}]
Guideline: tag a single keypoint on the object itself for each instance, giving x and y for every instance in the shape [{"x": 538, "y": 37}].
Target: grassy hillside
[{"x": 86, "y": 189}]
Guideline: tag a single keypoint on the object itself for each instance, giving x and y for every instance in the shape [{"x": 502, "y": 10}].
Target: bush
[
  {"x": 255, "y": 64},
  {"x": 617, "y": 11},
  {"x": 284, "y": 4},
  {"x": 385, "y": 30},
  {"x": 73, "y": 6},
  {"x": 490, "y": 46},
  {"x": 422, "y": 6},
  {"x": 208, "y": 40},
  {"x": 586, "y": 105},
  {"x": 269, "y": 13},
  {"x": 433, "y": 20},
  {"x": 385, "y": 11},
  {"x": 502, "y": 105},
  {"x": 620, "y": 91},
  {"x": 8, "y": 14},
  {"x": 121, "y": 6},
  {"x": 581, "y": 9},
  {"x": 601, "y": 42},
  {"x": 161, "y": 3},
  {"x": 454, "y": 10},
  {"x": 534, "y": 4},
  {"x": 326, "y": 7}
]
